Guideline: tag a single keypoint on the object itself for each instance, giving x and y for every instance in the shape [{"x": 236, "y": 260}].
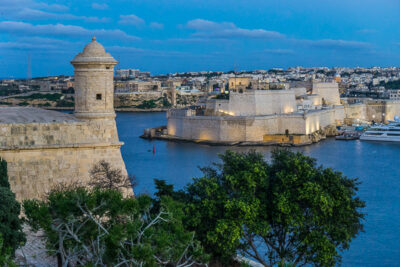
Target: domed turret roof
[{"x": 93, "y": 52}]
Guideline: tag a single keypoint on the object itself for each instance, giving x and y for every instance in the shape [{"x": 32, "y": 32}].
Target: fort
[
  {"x": 292, "y": 116},
  {"x": 44, "y": 148}
]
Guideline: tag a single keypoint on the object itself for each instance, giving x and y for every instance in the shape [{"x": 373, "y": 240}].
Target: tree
[
  {"x": 289, "y": 211},
  {"x": 100, "y": 227},
  {"x": 102, "y": 175},
  {"x": 10, "y": 224},
  {"x": 6, "y": 259}
]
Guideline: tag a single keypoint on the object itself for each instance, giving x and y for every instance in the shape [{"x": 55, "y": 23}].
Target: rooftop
[
  {"x": 93, "y": 52},
  {"x": 33, "y": 115}
]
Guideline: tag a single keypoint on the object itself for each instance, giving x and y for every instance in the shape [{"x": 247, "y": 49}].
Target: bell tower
[{"x": 94, "y": 82}]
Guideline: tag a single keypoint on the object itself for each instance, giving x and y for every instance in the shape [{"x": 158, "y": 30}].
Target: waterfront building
[
  {"x": 395, "y": 94},
  {"x": 44, "y": 148},
  {"x": 260, "y": 115}
]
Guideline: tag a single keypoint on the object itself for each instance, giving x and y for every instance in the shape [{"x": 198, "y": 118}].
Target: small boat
[{"x": 348, "y": 136}]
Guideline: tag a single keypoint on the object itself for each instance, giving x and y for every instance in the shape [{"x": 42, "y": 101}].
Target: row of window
[{"x": 377, "y": 134}]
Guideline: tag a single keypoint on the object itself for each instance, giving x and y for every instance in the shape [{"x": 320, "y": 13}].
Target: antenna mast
[{"x": 29, "y": 69}]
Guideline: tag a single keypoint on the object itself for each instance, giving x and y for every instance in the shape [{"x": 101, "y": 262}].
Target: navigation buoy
[{"x": 154, "y": 149}]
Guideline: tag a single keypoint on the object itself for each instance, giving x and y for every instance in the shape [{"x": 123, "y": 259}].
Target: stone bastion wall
[
  {"x": 185, "y": 124},
  {"x": 41, "y": 155}
]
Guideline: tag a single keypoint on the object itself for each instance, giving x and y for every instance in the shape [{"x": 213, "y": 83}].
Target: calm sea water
[{"x": 377, "y": 165}]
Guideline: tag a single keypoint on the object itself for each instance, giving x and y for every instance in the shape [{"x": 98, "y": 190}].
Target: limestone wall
[
  {"x": 40, "y": 155},
  {"x": 94, "y": 89},
  {"x": 29, "y": 135},
  {"x": 356, "y": 111},
  {"x": 33, "y": 172},
  {"x": 250, "y": 128},
  {"x": 217, "y": 106},
  {"x": 262, "y": 102},
  {"x": 329, "y": 92},
  {"x": 392, "y": 109},
  {"x": 375, "y": 110}
]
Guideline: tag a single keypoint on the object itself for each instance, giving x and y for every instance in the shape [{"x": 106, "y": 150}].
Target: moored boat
[
  {"x": 348, "y": 136},
  {"x": 388, "y": 133}
]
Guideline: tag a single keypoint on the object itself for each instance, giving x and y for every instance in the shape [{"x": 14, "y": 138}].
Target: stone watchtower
[
  {"x": 44, "y": 148},
  {"x": 94, "y": 84}
]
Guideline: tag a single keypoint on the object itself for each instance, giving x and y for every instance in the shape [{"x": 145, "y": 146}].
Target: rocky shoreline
[{"x": 158, "y": 133}]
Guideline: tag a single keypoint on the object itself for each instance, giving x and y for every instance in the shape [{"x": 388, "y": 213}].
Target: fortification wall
[
  {"x": 41, "y": 155},
  {"x": 33, "y": 172},
  {"x": 262, "y": 102},
  {"x": 250, "y": 128},
  {"x": 329, "y": 92},
  {"x": 392, "y": 109},
  {"x": 356, "y": 111},
  {"x": 30, "y": 135}
]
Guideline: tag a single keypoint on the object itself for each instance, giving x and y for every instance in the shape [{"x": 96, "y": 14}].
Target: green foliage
[
  {"x": 391, "y": 84},
  {"x": 3, "y": 174},
  {"x": 147, "y": 104},
  {"x": 285, "y": 212},
  {"x": 166, "y": 103},
  {"x": 50, "y": 97},
  {"x": 5, "y": 255},
  {"x": 10, "y": 224},
  {"x": 23, "y": 104},
  {"x": 222, "y": 96},
  {"x": 101, "y": 228},
  {"x": 11, "y": 89},
  {"x": 65, "y": 103}
]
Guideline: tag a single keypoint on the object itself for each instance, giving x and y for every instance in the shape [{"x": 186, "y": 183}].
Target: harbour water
[{"x": 377, "y": 165}]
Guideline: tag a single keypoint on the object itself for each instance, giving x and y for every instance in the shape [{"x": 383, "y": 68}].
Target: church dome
[{"x": 93, "y": 52}]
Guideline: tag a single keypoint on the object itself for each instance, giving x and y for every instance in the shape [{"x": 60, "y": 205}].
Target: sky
[{"x": 167, "y": 36}]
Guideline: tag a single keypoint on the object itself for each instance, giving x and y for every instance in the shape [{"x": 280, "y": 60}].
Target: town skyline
[{"x": 175, "y": 36}]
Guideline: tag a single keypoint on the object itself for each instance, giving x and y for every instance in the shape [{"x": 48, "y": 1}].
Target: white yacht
[{"x": 389, "y": 132}]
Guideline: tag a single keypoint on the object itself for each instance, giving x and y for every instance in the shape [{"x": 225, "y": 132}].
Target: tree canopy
[
  {"x": 287, "y": 211},
  {"x": 99, "y": 227},
  {"x": 10, "y": 224}
]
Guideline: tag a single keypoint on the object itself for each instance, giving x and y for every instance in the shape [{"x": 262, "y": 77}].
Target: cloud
[
  {"x": 366, "y": 31},
  {"x": 41, "y": 45},
  {"x": 32, "y": 10},
  {"x": 25, "y": 46},
  {"x": 131, "y": 20},
  {"x": 6, "y": 5},
  {"x": 36, "y": 14},
  {"x": 99, "y": 6},
  {"x": 150, "y": 52},
  {"x": 227, "y": 30},
  {"x": 156, "y": 25},
  {"x": 337, "y": 44},
  {"x": 279, "y": 51},
  {"x": 23, "y": 28}
]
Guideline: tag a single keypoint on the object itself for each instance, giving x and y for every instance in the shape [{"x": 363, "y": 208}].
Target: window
[
  {"x": 107, "y": 68},
  {"x": 98, "y": 96},
  {"x": 373, "y": 133}
]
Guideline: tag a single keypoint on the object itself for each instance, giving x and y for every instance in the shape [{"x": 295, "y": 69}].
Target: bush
[
  {"x": 147, "y": 104},
  {"x": 65, "y": 103},
  {"x": 101, "y": 228},
  {"x": 10, "y": 224},
  {"x": 23, "y": 104},
  {"x": 50, "y": 97}
]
